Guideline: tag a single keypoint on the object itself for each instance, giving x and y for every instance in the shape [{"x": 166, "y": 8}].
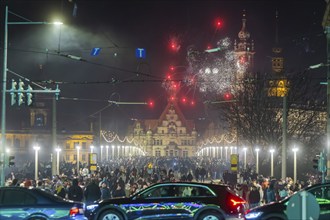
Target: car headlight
[
  {"x": 91, "y": 207},
  {"x": 253, "y": 215}
]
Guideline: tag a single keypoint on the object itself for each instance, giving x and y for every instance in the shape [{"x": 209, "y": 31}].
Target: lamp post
[
  {"x": 101, "y": 153},
  {"x": 92, "y": 148},
  {"x": 245, "y": 149},
  {"x": 36, "y": 149},
  {"x": 257, "y": 160},
  {"x": 78, "y": 148},
  {"x": 107, "y": 152},
  {"x": 295, "y": 149},
  {"x": 226, "y": 150},
  {"x": 4, "y": 88},
  {"x": 58, "y": 150},
  {"x": 271, "y": 162}
]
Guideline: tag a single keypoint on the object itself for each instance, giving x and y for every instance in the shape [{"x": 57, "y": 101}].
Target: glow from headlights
[
  {"x": 253, "y": 215},
  {"x": 91, "y": 207}
]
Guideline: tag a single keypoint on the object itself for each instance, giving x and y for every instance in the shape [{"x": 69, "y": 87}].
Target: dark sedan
[
  {"x": 279, "y": 210},
  {"x": 36, "y": 204},
  {"x": 172, "y": 200}
]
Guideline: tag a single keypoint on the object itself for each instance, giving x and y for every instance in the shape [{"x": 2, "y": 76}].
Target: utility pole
[
  {"x": 326, "y": 26},
  {"x": 54, "y": 141},
  {"x": 284, "y": 135}
]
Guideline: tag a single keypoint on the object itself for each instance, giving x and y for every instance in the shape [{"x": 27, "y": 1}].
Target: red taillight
[
  {"x": 236, "y": 202},
  {"x": 75, "y": 211}
]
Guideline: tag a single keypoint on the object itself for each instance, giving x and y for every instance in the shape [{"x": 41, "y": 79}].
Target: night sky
[{"x": 39, "y": 52}]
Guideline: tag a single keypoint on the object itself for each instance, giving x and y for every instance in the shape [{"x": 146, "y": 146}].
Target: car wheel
[
  {"x": 210, "y": 216},
  {"x": 110, "y": 215}
]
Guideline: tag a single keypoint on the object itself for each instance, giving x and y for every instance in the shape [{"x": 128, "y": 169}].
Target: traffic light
[
  {"x": 11, "y": 161},
  {"x": 316, "y": 162},
  {"x": 20, "y": 86},
  {"x": 12, "y": 93},
  {"x": 322, "y": 166},
  {"x": 20, "y": 98},
  {"x": 29, "y": 95}
]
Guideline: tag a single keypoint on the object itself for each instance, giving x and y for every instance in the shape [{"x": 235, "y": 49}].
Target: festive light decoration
[{"x": 112, "y": 137}]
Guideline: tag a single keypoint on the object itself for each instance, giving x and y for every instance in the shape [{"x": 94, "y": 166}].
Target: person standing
[
  {"x": 253, "y": 197},
  {"x": 75, "y": 192},
  {"x": 92, "y": 192},
  {"x": 105, "y": 191}
]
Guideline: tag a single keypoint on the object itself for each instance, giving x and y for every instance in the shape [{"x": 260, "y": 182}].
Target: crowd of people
[{"x": 124, "y": 177}]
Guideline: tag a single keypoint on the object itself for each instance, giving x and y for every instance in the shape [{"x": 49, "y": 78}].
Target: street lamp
[
  {"x": 107, "y": 152},
  {"x": 78, "y": 148},
  {"x": 4, "y": 88},
  {"x": 92, "y": 147},
  {"x": 36, "y": 149},
  {"x": 257, "y": 160},
  {"x": 101, "y": 154},
  {"x": 295, "y": 149},
  {"x": 58, "y": 150},
  {"x": 271, "y": 162},
  {"x": 245, "y": 149}
]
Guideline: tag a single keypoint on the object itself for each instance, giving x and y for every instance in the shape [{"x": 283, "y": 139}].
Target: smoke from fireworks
[{"x": 214, "y": 72}]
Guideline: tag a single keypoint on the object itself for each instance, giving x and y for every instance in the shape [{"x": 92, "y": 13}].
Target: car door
[
  {"x": 15, "y": 204},
  {"x": 159, "y": 202},
  {"x": 322, "y": 195}
]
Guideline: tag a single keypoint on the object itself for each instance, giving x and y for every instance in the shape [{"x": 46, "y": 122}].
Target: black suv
[
  {"x": 279, "y": 210},
  {"x": 172, "y": 200}
]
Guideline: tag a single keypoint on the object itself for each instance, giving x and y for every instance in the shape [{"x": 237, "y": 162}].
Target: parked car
[
  {"x": 36, "y": 204},
  {"x": 172, "y": 200},
  {"x": 278, "y": 210}
]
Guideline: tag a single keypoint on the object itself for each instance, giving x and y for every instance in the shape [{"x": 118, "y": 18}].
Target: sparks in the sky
[{"x": 215, "y": 72}]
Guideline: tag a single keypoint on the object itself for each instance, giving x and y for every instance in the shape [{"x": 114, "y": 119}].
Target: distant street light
[
  {"x": 245, "y": 149},
  {"x": 107, "y": 152},
  {"x": 78, "y": 148},
  {"x": 58, "y": 150},
  {"x": 226, "y": 150},
  {"x": 92, "y": 147},
  {"x": 295, "y": 149},
  {"x": 101, "y": 154},
  {"x": 271, "y": 162},
  {"x": 257, "y": 160},
  {"x": 36, "y": 149}
]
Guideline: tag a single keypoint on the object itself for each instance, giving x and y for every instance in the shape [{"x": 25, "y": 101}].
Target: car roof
[{"x": 192, "y": 183}]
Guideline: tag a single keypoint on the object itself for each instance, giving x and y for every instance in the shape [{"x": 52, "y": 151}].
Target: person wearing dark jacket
[
  {"x": 92, "y": 192},
  {"x": 119, "y": 191},
  {"x": 75, "y": 192}
]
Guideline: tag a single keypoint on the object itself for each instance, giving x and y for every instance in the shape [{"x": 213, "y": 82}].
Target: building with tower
[{"x": 244, "y": 50}]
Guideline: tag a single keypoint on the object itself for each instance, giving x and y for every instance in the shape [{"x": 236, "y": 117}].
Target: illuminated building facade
[
  {"x": 171, "y": 135},
  {"x": 21, "y": 142}
]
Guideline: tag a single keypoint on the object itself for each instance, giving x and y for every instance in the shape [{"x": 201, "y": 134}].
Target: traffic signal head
[
  {"x": 20, "y": 98},
  {"x": 21, "y": 85},
  {"x": 316, "y": 162},
  {"x": 13, "y": 85},
  {"x": 11, "y": 161},
  {"x": 13, "y": 98},
  {"x": 29, "y": 95}
]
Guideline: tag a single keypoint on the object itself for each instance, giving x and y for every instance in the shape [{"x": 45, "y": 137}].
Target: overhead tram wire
[{"x": 77, "y": 58}]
